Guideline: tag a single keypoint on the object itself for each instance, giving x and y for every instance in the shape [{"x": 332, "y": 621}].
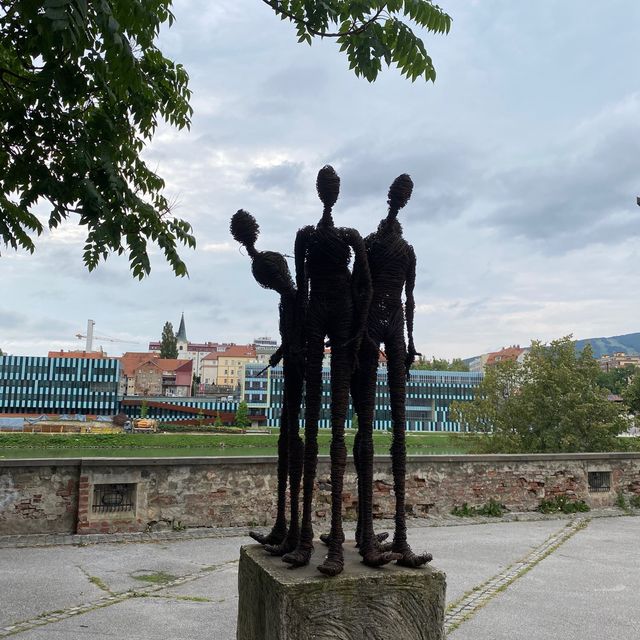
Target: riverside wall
[{"x": 105, "y": 495}]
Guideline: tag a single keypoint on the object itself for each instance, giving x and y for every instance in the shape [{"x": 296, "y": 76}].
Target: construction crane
[{"x": 90, "y": 337}]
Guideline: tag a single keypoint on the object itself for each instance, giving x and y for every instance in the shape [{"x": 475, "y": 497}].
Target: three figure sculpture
[{"x": 356, "y": 310}]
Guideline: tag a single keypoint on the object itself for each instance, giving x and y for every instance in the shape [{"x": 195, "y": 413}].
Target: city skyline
[{"x": 523, "y": 153}]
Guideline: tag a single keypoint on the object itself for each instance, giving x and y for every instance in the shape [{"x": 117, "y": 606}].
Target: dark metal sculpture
[
  {"x": 392, "y": 266},
  {"x": 271, "y": 271},
  {"x": 337, "y": 307}
]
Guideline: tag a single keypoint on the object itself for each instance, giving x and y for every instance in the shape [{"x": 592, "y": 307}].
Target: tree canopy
[
  {"x": 616, "y": 380},
  {"x": 440, "y": 364},
  {"x": 168, "y": 342},
  {"x": 551, "y": 402},
  {"x": 242, "y": 415},
  {"x": 83, "y": 87},
  {"x": 370, "y": 32},
  {"x": 631, "y": 394}
]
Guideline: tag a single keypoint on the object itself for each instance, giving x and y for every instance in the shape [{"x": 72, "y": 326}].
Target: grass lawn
[{"x": 164, "y": 444}]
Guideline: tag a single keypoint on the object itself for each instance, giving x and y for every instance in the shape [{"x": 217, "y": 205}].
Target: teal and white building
[
  {"x": 86, "y": 386},
  {"x": 429, "y": 396}
]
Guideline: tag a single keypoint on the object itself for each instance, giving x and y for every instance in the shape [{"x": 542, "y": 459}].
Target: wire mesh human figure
[
  {"x": 337, "y": 308},
  {"x": 271, "y": 271},
  {"x": 392, "y": 264}
]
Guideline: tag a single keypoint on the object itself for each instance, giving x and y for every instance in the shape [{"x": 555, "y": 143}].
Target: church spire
[{"x": 181, "y": 336}]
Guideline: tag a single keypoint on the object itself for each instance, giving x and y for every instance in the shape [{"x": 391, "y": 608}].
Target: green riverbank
[{"x": 159, "y": 445}]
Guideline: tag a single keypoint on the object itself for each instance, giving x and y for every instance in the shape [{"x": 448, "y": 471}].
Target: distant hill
[{"x": 628, "y": 343}]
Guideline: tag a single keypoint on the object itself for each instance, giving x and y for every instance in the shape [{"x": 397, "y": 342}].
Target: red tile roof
[
  {"x": 171, "y": 364},
  {"x": 239, "y": 351},
  {"x": 508, "y": 353},
  {"x": 131, "y": 360}
]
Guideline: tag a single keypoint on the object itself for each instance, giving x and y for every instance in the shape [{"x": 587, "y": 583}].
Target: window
[
  {"x": 112, "y": 498},
  {"x": 599, "y": 481}
]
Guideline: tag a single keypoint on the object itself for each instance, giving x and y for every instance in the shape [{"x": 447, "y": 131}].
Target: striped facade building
[
  {"x": 429, "y": 395},
  {"x": 86, "y": 386}
]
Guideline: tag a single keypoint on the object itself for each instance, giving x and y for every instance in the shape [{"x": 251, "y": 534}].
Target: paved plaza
[{"x": 546, "y": 579}]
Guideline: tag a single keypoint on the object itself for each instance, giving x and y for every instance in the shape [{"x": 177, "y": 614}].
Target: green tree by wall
[
  {"x": 616, "y": 380},
  {"x": 440, "y": 364},
  {"x": 144, "y": 409},
  {"x": 83, "y": 87},
  {"x": 218, "y": 421},
  {"x": 242, "y": 416},
  {"x": 631, "y": 395},
  {"x": 168, "y": 342},
  {"x": 552, "y": 402}
]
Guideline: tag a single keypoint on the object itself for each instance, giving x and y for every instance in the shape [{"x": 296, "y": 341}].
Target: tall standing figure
[
  {"x": 271, "y": 271},
  {"x": 337, "y": 308},
  {"x": 392, "y": 264}
]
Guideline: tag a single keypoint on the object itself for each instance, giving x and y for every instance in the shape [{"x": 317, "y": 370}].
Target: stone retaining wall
[
  {"x": 59, "y": 496},
  {"x": 38, "y": 498}
]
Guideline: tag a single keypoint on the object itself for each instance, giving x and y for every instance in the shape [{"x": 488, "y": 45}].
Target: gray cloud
[
  {"x": 285, "y": 176},
  {"x": 582, "y": 192},
  {"x": 522, "y": 216}
]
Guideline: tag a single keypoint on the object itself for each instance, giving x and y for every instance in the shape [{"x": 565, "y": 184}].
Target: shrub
[
  {"x": 465, "y": 511},
  {"x": 562, "y": 504},
  {"x": 492, "y": 509},
  {"x": 621, "y": 502}
]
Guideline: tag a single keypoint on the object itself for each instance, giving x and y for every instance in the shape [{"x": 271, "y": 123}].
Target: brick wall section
[
  {"x": 43, "y": 496},
  {"x": 38, "y": 498}
]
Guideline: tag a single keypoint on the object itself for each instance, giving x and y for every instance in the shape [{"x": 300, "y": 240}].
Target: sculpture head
[
  {"x": 328, "y": 186},
  {"x": 269, "y": 268},
  {"x": 398, "y": 196}
]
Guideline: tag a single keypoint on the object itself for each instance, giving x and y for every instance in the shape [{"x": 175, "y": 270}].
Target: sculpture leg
[
  {"x": 313, "y": 374},
  {"x": 294, "y": 381},
  {"x": 325, "y": 537},
  {"x": 366, "y": 383},
  {"x": 379, "y": 538},
  {"x": 396, "y": 351},
  {"x": 279, "y": 530},
  {"x": 356, "y": 460},
  {"x": 341, "y": 364}
]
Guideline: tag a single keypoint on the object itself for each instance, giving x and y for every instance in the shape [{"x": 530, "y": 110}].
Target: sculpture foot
[
  {"x": 410, "y": 559},
  {"x": 333, "y": 564},
  {"x": 299, "y": 557},
  {"x": 377, "y": 559},
  {"x": 327, "y": 539},
  {"x": 288, "y": 545},
  {"x": 379, "y": 543},
  {"x": 276, "y": 536}
]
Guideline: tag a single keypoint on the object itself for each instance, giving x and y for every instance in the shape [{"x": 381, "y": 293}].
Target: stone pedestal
[{"x": 389, "y": 603}]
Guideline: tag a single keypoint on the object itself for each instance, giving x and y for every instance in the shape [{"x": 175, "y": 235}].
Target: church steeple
[{"x": 181, "y": 336}]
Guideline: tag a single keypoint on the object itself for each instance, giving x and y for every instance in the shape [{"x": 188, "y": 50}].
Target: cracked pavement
[{"x": 585, "y": 587}]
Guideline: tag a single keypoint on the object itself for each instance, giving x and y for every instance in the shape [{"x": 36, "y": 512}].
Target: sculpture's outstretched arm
[
  {"x": 410, "y": 308},
  {"x": 361, "y": 284}
]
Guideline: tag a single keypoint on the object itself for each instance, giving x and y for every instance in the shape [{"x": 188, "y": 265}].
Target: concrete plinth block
[{"x": 389, "y": 603}]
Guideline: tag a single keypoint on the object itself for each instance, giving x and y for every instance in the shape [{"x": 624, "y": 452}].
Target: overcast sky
[{"x": 525, "y": 156}]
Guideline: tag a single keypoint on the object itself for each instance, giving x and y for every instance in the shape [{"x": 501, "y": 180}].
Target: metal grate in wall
[
  {"x": 599, "y": 481},
  {"x": 113, "y": 498}
]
